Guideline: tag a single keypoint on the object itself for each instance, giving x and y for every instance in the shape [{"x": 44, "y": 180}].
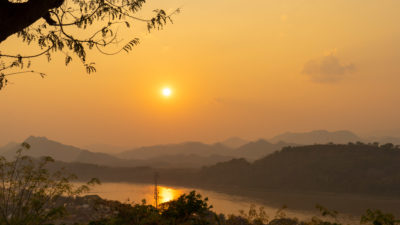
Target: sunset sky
[{"x": 251, "y": 69}]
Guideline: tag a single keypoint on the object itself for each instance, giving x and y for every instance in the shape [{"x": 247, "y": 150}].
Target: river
[{"x": 221, "y": 202}]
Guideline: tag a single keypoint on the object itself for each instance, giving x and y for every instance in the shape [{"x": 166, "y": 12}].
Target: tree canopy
[{"x": 71, "y": 27}]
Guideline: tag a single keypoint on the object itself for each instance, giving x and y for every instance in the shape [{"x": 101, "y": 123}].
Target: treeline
[
  {"x": 351, "y": 168},
  {"x": 193, "y": 209}
]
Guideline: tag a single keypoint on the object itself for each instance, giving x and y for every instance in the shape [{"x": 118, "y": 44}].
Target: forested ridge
[{"x": 351, "y": 168}]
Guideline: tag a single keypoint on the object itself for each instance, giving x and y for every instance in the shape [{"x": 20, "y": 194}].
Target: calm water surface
[{"x": 222, "y": 203}]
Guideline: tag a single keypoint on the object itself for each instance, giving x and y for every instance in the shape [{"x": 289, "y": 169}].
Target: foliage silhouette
[
  {"x": 30, "y": 194},
  {"x": 71, "y": 27},
  {"x": 191, "y": 209},
  {"x": 376, "y": 217},
  {"x": 351, "y": 168}
]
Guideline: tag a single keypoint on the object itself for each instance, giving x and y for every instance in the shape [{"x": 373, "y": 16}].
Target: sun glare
[
  {"x": 168, "y": 194},
  {"x": 166, "y": 92}
]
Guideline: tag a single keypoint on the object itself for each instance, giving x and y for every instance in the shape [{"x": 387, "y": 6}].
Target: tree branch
[{"x": 15, "y": 17}]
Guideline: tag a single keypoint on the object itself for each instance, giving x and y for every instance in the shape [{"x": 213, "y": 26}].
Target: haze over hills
[
  {"x": 334, "y": 168},
  {"x": 183, "y": 155},
  {"x": 393, "y": 140},
  {"x": 324, "y": 137},
  {"x": 352, "y": 175},
  {"x": 353, "y": 168},
  {"x": 41, "y": 146},
  {"x": 257, "y": 149},
  {"x": 186, "y": 155},
  {"x": 104, "y": 148},
  {"x": 234, "y": 142},
  {"x": 317, "y": 137},
  {"x": 350, "y": 168},
  {"x": 251, "y": 150},
  {"x": 187, "y": 148}
]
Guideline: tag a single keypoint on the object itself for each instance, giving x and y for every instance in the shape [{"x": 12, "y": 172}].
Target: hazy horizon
[{"x": 115, "y": 148}]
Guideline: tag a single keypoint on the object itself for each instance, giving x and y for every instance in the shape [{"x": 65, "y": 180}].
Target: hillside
[
  {"x": 352, "y": 168},
  {"x": 41, "y": 146},
  {"x": 257, "y": 149},
  {"x": 234, "y": 142},
  {"x": 183, "y": 155},
  {"x": 324, "y": 168},
  {"x": 187, "y": 148},
  {"x": 250, "y": 150}
]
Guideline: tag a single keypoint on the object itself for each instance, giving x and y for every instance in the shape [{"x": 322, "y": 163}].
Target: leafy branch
[{"x": 65, "y": 28}]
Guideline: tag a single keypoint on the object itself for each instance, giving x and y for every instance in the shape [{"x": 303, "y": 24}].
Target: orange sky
[{"x": 236, "y": 69}]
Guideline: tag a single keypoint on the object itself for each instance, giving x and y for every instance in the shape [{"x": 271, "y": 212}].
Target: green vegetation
[
  {"x": 30, "y": 194},
  {"x": 187, "y": 209},
  {"x": 341, "y": 168},
  {"x": 192, "y": 209}
]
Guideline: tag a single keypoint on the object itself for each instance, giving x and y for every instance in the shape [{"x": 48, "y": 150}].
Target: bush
[{"x": 30, "y": 194}]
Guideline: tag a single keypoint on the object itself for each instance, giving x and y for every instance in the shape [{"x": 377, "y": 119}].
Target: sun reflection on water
[{"x": 167, "y": 194}]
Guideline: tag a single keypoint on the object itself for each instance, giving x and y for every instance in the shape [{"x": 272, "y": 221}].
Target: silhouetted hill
[
  {"x": 103, "y": 159},
  {"x": 317, "y": 137},
  {"x": 234, "y": 142},
  {"x": 189, "y": 148},
  {"x": 257, "y": 149},
  {"x": 187, "y": 161},
  {"x": 189, "y": 155},
  {"x": 251, "y": 150},
  {"x": 353, "y": 168},
  {"x": 41, "y": 146},
  {"x": 104, "y": 148}
]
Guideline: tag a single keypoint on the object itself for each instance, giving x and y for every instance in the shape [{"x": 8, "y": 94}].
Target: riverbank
[{"x": 349, "y": 204}]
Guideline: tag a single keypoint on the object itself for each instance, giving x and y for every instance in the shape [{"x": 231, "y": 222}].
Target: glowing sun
[{"x": 166, "y": 92}]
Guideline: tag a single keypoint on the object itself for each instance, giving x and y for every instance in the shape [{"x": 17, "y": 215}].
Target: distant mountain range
[
  {"x": 185, "y": 155},
  {"x": 351, "y": 168},
  {"x": 187, "y": 148},
  {"x": 250, "y": 150},
  {"x": 109, "y": 149},
  {"x": 330, "y": 168},
  {"x": 234, "y": 142},
  {"x": 41, "y": 146},
  {"x": 317, "y": 137},
  {"x": 325, "y": 137}
]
